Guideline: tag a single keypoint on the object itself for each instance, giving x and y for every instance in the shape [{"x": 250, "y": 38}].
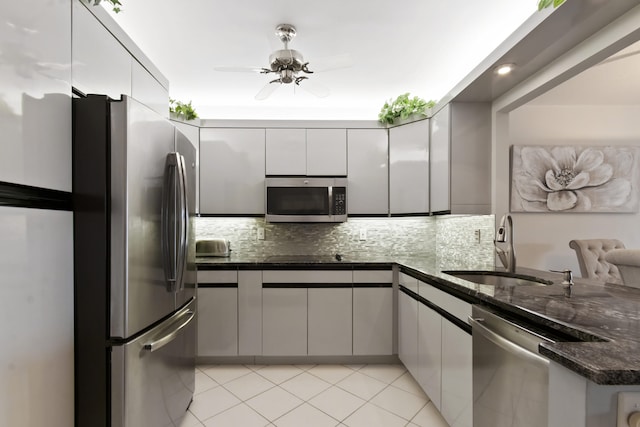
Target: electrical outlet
[
  {"x": 363, "y": 234},
  {"x": 628, "y": 403},
  {"x": 260, "y": 233},
  {"x": 477, "y": 236}
]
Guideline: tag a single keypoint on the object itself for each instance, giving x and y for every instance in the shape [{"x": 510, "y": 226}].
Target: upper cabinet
[
  {"x": 35, "y": 100},
  {"x": 439, "y": 160},
  {"x": 101, "y": 65},
  {"x": 470, "y": 133},
  {"x": 409, "y": 168},
  {"x": 327, "y": 152},
  {"x": 286, "y": 152},
  {"x": 232, "y": 171},
  {"x": 146, "y": 89},
  {"x": 313, "y": 152},
  {"x": 368, "y": 178}
]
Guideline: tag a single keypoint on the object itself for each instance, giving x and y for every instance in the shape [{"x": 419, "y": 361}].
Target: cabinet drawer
[
  {"x": 449, "y": 303},
  {"x": 218, "y": 276},
  {"x": 372, "y": 276},
  {"x": 408, "y": 282},
  {"x": 300, "y": 276}
]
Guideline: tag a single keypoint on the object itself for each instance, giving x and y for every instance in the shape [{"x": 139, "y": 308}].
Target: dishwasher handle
[{"x": 505, "y": 344}]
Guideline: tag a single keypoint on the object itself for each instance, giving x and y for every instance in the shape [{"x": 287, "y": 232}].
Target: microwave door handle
[
  {"x": 168, "y": 222},
  {"x": 331, "y": 207}
]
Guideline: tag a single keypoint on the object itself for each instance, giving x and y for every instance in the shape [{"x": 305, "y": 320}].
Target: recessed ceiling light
[{"x": 504, "y": 69}]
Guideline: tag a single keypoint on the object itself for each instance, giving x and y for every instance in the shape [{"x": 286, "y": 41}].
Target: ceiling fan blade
[
  {"x": 239, "y": 69},
  {"x": 331, "y": 62},
  {"x": 266, "y": 91},
  {"x": 317, "y": 89}
]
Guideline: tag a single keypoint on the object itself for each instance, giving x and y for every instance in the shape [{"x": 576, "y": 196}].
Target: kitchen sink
[{"x": 498, "y": 278}]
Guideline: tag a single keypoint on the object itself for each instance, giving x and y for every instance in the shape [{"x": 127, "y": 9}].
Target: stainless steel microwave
[{"x": 306, "y": 199}]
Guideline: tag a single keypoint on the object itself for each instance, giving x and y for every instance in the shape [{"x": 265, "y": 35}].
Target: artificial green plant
[
  {"x": 116, "y": 4},
  {"x": 182, "y": 110},
  {"x": 543, "y": 4},
  {"x": 402, "y": 107}
]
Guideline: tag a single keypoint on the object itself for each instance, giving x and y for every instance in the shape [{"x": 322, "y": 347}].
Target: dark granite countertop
[{"x": 602, "y": 322}]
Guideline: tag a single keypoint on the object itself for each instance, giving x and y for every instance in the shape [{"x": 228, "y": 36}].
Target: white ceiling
[{"x": 424, "y": 47}]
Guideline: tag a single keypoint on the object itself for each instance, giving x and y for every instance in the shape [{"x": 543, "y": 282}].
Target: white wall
[{"x": 542, "y": 238}]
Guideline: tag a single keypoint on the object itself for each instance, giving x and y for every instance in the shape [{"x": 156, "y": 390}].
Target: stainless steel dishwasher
[{"x": 510, "y": 378}]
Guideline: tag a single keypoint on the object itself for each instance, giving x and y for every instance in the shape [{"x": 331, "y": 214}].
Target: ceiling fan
[{"x": 290, "y": 67}]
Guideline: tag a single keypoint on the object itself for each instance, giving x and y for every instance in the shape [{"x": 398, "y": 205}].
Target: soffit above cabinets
[{"x": 547, "y": 40}]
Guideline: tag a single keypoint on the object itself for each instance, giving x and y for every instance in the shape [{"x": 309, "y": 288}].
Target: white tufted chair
[
  {"x": 628, "y": 262},
  {"x": 591, "y": 257}
]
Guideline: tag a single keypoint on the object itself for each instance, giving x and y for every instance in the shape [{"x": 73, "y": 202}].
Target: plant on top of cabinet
[
  {"x": 543, "y": 4},
  {"x": 182, "y": 110},
  {"x": 402, "y": 107},
  {"x": 116, "y": 4}
]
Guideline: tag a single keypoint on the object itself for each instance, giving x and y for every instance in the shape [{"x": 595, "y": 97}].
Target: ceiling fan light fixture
[
  {"x": 287, "y": 76},
  {"x": 504, "y": 69},
  {"x": 286, "y": 59}
]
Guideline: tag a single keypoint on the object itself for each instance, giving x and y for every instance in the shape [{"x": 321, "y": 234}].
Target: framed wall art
[{"x": 569, "y": 178}]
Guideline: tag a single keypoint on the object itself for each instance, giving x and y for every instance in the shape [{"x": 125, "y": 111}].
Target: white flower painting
[{"x": 574, "y": 179}]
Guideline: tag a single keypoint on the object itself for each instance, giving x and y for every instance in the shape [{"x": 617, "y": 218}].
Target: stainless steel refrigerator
[{"x": 134, "y": 265}]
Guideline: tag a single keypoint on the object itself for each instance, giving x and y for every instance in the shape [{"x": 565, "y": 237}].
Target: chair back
[{"x": 591, "y": 258}]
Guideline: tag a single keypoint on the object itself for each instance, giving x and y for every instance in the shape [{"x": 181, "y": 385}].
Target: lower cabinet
[
  {"x": 296, "y": 313},
  {"x": 372, "y": 321},
  {"x": 330, "y": 320},
  {"x": 307, "y": 312},
  {"x": 457, "y": 393},
  {"x": 217, "y": 313},
  {"x": 436, "y": 350},
  {"x": 430, "y": 352},
  {"x": 408, "y": 332},
  {"x": 372, "y": 312},
  {"x": 284, "y": 321}
]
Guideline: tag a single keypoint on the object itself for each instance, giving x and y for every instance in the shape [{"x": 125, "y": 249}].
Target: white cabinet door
[
  {"x": 217, "y": 321},
  {"x": 372, "y": 312},
  {"x": 35, "y": 117},
  {"x": 368, "y": 177},
  {"x": 249, "y": 312},
  {"x": 232, "y": 171},
  {"x": 408, "y": 332},
  {"x": 457, "y": 390},
  {"x": 217, "y": 313},
  {"x": 439, "y": 160},
  {"x": 471, "y": 157},
  {"x": 372, "y": 320},
  {"x": 286, "y": 152},
  {"x": 100, "y": 64},
  {"x": 37, "y": 328},
  {"x": 330, "y": 321},
  {"x": 429, "y": 352},
  {"x": 326, "y": 152},
  {"x": 409, "y": 168},
  {"x": 284, "y": 321},
  {"x": 146, "y": 89}
]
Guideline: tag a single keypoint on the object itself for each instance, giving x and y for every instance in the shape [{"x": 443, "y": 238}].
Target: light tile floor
[{"x": 309, "y": 396}]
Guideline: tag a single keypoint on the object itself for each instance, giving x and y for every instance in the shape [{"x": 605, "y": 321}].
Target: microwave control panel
[{"x": 339, "y": 201}]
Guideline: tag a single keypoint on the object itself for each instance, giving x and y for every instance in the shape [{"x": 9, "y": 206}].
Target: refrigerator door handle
[
  {"x": 170, "y": 194},
  {"x": 170, "y": 333},
  {"x": 183, "y": 242}
]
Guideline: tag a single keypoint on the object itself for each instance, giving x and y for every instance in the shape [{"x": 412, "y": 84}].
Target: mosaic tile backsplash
[{"x": 447, "y": 241}]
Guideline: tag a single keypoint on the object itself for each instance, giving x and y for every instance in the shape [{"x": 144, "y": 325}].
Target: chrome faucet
[{"x": 504, "y": 234}]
